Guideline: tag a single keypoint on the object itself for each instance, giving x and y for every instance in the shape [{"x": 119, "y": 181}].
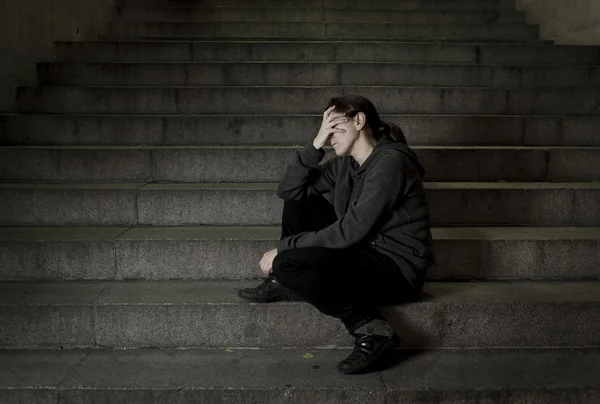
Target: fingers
[
  {"x": 337, "y": 117},
  {"x": 337, "y": 121},
  {"x": 328, "y": 111},
  {"x": 330, "y": 114}
]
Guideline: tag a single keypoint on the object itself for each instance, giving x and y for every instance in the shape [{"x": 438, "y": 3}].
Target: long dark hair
[{"x": 353, "y": 104}]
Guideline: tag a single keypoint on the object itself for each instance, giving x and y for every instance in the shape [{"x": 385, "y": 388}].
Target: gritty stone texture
[
  {"x": 467, "y": 203},
  {"x": 501, "y": 206},
  {"x": 83, "y": 130},
  {"x": 315, "y": 15},
  {"x": 210, "y": 314},
  {"x": 160, "y": 205},
  {"x": 534, "y": 376},
  {"x": 163, "y": 253},
  {"x": 240, "y": 376},
  {"x": 283, "y": 376},
  {"x": 46, "y": 326},
  {"x": 542, "y": 55},
  {"x": 56, "y": 259},
  {"x": 188, "y": 258},
  {"x": 268, "y": 163},
  {"x": 75, "y": 164},
  {"x": 302, "y": 73},
  {"x": 23, "y": 369},
  {"x": 48, "y": 204},
  {"x": 574, "y": 165},
  {"x": 280, "y": 100},
  {"x": 450, "y": 204},
  {"x": 168, "y": 51},
  {"x": 123, "y": 51},
  {"x": 288, "y": 130},
  {"x": 48, "y": 314}
]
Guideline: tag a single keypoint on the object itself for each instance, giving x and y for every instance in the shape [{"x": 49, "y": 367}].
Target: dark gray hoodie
[{"x": 381, "y": 203}]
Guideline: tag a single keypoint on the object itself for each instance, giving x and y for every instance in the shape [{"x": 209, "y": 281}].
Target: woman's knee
[{"x": 283, "y": 264}]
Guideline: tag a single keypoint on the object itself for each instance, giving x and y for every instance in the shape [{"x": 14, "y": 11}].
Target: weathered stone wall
[{"x": 571, "y": 22}]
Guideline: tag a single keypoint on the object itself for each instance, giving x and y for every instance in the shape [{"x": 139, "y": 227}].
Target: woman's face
[{"x": 343, "y": 142}]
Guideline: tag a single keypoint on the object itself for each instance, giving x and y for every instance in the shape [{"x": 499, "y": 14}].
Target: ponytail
[{"x": 392, "y": 132}]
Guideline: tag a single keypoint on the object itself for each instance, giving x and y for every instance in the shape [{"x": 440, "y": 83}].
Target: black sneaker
[
  {"x": 368, "y": 349},
  {"x": 269, "y": 291}
]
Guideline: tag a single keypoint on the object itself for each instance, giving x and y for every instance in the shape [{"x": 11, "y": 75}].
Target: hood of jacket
[{"x": 386, "y": 144}]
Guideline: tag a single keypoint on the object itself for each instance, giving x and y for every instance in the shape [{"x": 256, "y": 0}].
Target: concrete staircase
[{"x": 137, "y": 196}]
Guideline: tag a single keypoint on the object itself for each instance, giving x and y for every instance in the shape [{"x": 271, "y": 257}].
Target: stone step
[
  {"x": 168, "y": 130},
  {"x": 180, "y": 314},
  {"x": 248, "y": 14},
  {"x": 469, "y": 376},
  {"x": 311, "y": 73},
  {"x": 163, "y": 253},
  {"x": 347, "y": 5},
  {"x": 402, "y": 52},
  {"x": 484, "y": 31},
  {"x": 268, "y": 163},
  {"x": 298, "y": 100},
  {"x": 224, "y": 204}
]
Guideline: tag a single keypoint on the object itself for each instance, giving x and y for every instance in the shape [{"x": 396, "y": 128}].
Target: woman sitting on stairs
[{"x": 371, "y": 247}]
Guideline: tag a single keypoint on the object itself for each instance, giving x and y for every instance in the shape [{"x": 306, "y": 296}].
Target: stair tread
[{"x": 286, "y": 372}]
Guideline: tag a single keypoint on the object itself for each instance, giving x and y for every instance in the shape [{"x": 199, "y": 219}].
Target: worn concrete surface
[
  {"x": 268, "y": 163},
  {"x": 315, "y": 74},
  {"x": 295, "y": 100},
  {"x": 211, "y": 376},
  {"x": 210, "y": 314},
  {"x": 234, "y": 253},
  {"x": 169, "y": 130},
  {"x": 334, "y": 30},
  {"x": 314, "y": 15},
  {"x": 322, "y": 51},
  {"x": 224, "y": 204}
]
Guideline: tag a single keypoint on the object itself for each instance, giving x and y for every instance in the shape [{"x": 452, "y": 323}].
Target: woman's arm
[
  {"x": 385, "y": 183},
  {"x": 305, "y": 177}
]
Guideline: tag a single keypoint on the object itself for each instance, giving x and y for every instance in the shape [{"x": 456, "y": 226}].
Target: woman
[{"x": 372, "y": 247}]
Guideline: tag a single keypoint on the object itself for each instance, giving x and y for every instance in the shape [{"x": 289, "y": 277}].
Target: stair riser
[
  {"x": 316, "y": 74},
  {"x": 436, "y": 324},
  {"x": 103, "y": 395},
  {"x": 317, "y": 15},
  {"x": 171, "y": 207},
  {"x": 289, "y": 130},
  {"x": 337, "y": 4},
  {"x": 368, "y": 52},
  {"x": 237, "y": 259},
  {"x": 269, "y": 165},
  {"x": 321, "y": 30},
  {"x": 265, "y": 100}
]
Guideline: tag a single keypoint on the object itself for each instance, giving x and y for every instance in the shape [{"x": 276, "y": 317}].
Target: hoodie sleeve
[
  {"x": 305, "y": 177},
  {"x": 384, "y": 186}
]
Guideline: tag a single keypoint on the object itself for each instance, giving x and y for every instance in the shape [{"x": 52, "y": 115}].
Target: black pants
[{"x": 347, "y": 283}]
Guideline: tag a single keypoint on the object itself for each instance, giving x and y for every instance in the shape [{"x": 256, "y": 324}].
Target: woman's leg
[
  {"x": 347, "y": 284},
  {"x": 310, "y": 214}
]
